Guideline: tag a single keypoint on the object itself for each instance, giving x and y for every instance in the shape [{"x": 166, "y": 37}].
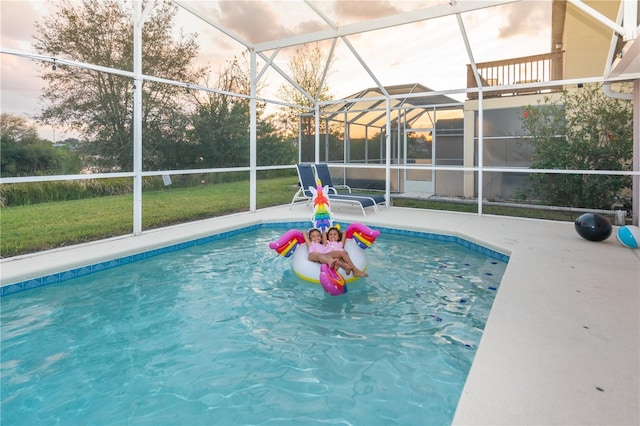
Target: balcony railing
[{"x": 527, "y": 69}]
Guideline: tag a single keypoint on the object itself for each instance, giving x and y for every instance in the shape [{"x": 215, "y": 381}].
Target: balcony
[{"x": 527, "y": 69}]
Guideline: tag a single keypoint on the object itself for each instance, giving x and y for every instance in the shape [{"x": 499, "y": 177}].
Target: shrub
[{"x": 584, "y": 130}]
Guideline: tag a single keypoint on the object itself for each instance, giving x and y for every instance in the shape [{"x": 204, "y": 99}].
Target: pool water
[{"x": 225, "y": 333}]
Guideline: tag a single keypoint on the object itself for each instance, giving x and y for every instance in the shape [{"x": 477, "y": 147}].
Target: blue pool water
[{"x": 225, "y": 333}]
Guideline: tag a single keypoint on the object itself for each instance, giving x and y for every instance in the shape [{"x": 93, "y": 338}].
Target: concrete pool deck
[{"x": 562, "y": 342}]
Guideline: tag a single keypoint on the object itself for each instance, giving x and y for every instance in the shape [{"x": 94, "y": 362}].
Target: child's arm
[
  {"x": 344, "y": 238},
  {"x": 324, "y": 238},
  {"x": 307, "y": 241}
]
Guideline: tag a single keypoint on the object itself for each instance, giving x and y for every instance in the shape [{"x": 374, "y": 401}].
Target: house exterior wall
[
  {"x": 586, "y": 41},
  {"x": 494, "y": 186}
]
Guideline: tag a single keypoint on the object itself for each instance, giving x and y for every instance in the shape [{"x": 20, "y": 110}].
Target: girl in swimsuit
[
  {"x": 334, "y": 247},
  {"x": 314, "y": 240}
]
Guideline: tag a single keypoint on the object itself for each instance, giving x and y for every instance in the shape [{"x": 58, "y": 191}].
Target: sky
[{"x": 431, "y": 52}]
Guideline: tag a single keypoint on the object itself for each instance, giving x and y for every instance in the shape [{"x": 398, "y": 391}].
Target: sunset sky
[{"x": 430, "y": 52}]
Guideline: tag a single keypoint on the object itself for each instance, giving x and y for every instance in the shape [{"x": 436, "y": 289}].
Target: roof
[{"x": 368, "y": 107}]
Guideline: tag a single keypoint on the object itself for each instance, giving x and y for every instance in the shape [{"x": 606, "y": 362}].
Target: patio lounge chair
[
  {"x": 307, "y": 178},
  {"x": 322, "y": 171}
]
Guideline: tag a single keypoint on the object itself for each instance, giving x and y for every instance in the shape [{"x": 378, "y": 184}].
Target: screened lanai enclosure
[
  {"x": 409, "y": 99},
  {"x": 424, "y": 131}
]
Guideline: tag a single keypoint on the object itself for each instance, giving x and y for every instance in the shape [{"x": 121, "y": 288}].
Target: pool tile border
[
  {"x": 101, "y": 266},
  {"x": 494, "y": 254}
]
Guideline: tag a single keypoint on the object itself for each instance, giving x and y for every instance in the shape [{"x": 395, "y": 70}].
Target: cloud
[
  {"x": 364, "y": 10},
  {"x": 17, "y": 22},
  {"x": 20, "y": 85},
  {"x": 262, "y": 21},
  {"x": 429, "y": 52},
  {"x": 528, "y": 17},
  {"x": 20, "y": 81},
  {"x": 255, "y": 21}
]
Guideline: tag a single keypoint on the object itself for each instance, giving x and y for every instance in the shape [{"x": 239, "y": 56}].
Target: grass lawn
[
  {"x": 31, "y": 228},
  {"x": 36, "y": 227}
]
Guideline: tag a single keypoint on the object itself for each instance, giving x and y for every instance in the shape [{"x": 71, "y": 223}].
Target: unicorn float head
[
  {"x": 359, "y": 238},
  {"x": 321, "y": 217}
]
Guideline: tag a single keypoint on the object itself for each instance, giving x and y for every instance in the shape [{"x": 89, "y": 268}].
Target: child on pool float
[
  {"x": 329, "y": 248},
  {"x": 314, "y": 240}
]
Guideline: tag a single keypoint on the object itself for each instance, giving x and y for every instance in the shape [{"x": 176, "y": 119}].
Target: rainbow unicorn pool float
[{"x": 292, "y": 245}]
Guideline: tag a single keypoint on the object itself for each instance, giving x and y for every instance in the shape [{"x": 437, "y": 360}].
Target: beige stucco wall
[{"x": 586, "y": 41}]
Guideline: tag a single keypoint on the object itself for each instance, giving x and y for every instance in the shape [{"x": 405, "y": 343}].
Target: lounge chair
[
  {"x": 322, "y": 171},
  {"x": 307, "y": 178}
]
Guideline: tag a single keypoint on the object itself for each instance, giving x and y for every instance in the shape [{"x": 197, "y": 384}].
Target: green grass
[
  {"x": 37, "y": 227},
  {"x": 32, "y": 228}
]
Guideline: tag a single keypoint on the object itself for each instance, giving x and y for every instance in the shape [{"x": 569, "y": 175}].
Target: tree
[
  {"x": 99, "y": 104},
  {"x": 25, "y": 154},
  {"x": 584, "y": 130},
  {"x": 220, "y": 126},
  {"x": 307, "y": 68},
  {"x": 16, "y": 128}
]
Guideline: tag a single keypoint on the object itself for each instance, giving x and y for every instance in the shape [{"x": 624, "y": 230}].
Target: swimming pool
[{"x": 225, "y": 333}]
